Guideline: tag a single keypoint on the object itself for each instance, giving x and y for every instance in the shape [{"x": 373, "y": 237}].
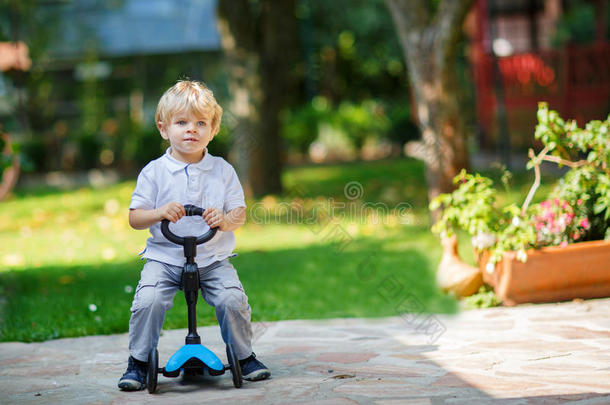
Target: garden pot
[
  {"x": 455, "y": 276},
  {"x": 579, "y": 270}
]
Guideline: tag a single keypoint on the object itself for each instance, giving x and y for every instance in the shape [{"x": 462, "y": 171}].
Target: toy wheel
[
  {"x": 153, "y": 370},
  {"x": 235, "y": 367}
]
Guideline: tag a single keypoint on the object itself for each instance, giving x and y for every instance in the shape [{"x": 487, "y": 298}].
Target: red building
[{"x": 523, "y": 53}]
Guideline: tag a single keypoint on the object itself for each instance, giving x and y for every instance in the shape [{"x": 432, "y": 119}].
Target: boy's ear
[
  {"x": 216, "y": 132},
  {"x": 161, "y": 129}
]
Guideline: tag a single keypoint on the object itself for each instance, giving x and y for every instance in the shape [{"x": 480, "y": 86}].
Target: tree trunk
[
  {"x": 259, "y": 41},
  {"x": 429, "y": 41}
]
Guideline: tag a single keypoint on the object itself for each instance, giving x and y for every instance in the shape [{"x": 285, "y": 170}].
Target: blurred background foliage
[
  {"x": 575, "y": 25},
  {"x": 94, "y": 110}
]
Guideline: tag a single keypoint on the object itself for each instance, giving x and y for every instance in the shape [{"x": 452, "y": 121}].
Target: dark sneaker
[
  {"x": 253, "y": 370},
  {"x": 134, "y": 378}
]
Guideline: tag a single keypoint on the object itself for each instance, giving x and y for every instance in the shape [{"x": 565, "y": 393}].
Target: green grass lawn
[{"x": 69, "y": 261}]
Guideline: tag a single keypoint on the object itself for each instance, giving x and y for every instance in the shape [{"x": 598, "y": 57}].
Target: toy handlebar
[{"x": 191, "y": 210}]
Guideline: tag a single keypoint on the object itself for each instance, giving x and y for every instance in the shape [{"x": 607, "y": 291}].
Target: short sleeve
[
  {"x": 234, "y": 194},
  {"x": 144, "y": 195}
]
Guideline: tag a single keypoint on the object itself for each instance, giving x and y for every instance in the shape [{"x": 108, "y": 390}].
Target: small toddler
[{"x": 188, "y": 116}]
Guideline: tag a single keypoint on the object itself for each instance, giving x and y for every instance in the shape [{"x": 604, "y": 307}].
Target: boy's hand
[
  {"x": 172, "y": 211},
  {"x": 215, "y": 218}
]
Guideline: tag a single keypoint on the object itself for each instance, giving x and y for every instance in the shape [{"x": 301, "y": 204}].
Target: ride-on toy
[{"x": 193, "y": 357}]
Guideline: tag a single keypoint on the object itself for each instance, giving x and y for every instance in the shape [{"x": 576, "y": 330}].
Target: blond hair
[{"x": 191, "y": 97}]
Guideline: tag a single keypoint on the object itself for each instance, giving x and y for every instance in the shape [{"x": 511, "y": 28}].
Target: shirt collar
[{"x": 173, "y": 165}]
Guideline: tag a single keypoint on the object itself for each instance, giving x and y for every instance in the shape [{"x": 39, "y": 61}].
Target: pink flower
[
  {"x": 584, "y": 223},
  {"x": 563, "y": 244},
  {"x": 579, "y": 201}
]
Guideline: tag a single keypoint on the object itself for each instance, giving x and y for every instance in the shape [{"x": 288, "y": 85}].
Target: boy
[{"x": 188, "y": 116}]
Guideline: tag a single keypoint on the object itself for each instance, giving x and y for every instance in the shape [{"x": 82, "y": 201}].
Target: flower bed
[{"x": 516, "y": 240}]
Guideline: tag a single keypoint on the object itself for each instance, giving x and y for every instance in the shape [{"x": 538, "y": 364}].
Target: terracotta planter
[{"x": 580, "y": 270}]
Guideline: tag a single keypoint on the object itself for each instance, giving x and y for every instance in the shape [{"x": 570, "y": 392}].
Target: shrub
[{"x": 576, "y": 210}]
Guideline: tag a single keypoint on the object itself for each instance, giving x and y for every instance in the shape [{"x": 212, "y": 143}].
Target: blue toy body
[{"x": 188, "y": 352}]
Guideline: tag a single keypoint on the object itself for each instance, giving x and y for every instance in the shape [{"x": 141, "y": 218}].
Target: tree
[
  {"x": 429, "y": 33},
  {"x": 355, "y": 54},
  {"x": 259, "y": 39}
]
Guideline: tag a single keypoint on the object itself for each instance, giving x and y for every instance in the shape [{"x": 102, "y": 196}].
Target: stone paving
[{"x": 531, "y": 354}]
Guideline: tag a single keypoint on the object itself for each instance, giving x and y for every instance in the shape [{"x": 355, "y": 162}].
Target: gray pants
[{"x": 220, "y": 287}]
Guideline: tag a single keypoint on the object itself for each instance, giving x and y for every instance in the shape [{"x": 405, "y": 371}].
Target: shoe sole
[
  {"x": 257, "y": 375},
  {"x": 131, "y": 385}
]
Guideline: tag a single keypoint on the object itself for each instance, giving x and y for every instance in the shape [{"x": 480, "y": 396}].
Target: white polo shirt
[{"x": 211, "y": 182}]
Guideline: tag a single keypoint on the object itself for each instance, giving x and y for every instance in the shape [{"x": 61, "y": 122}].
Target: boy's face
[{"x": 188, "y": 136}]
